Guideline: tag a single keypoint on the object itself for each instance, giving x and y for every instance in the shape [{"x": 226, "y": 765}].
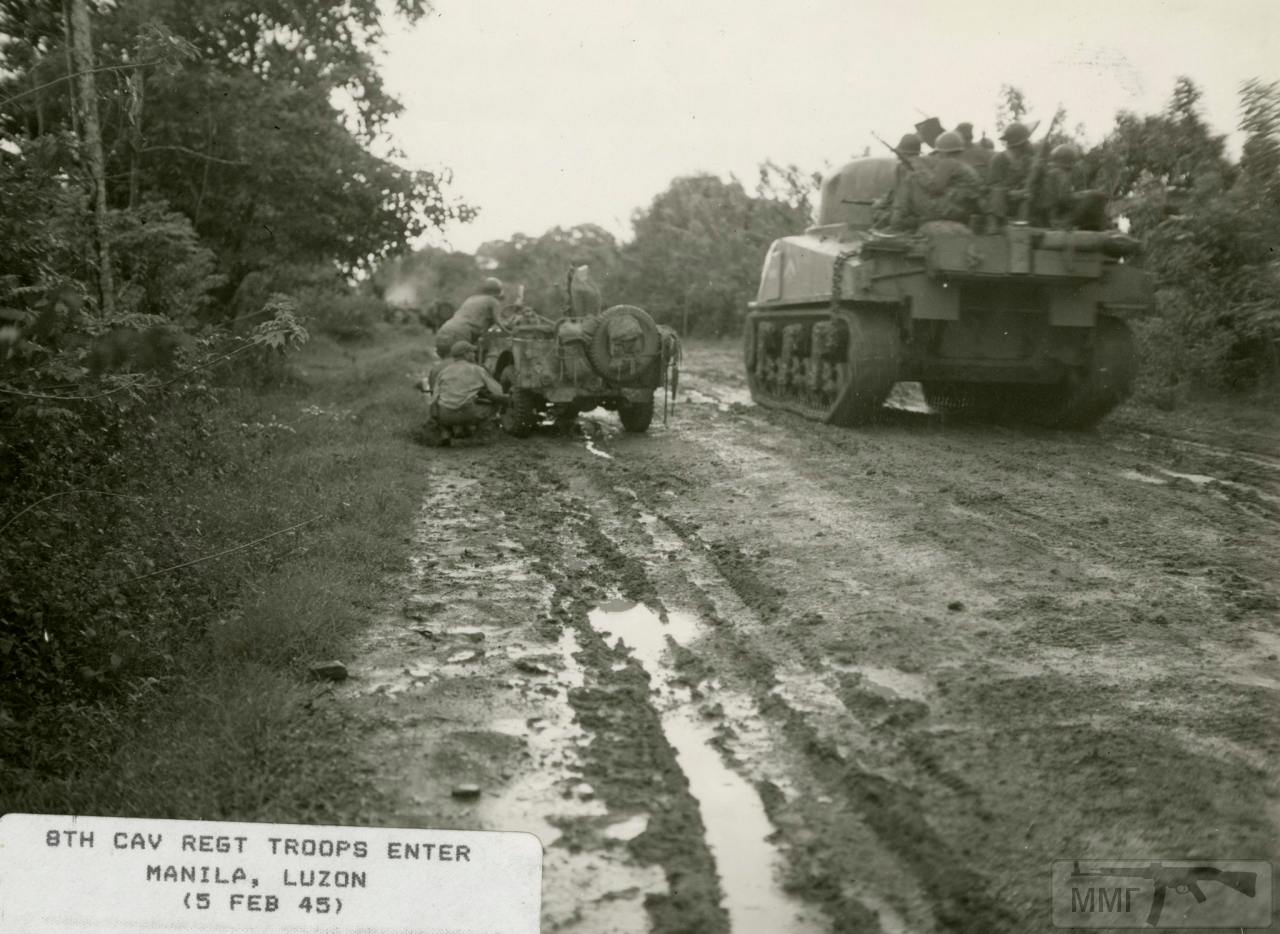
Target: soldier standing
[
  {"x": 1009, "y": 172},
  {"x": 474, "y": 316},
  {"x": 584, "y": 294}
]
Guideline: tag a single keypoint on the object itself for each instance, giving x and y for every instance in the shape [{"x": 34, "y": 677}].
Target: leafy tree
[
  {"x": 1260, "y": 121},
  {"x": 1011, "y": 107},
  {"x": 1155, "y": 161},
  {"x": 226, "y": 111},
  {"x": 541, "y": 264},
  {"x": 1211, "y": 230},
  {"x": 697, "y": 251},
  {"x": 426, "y": 276}
]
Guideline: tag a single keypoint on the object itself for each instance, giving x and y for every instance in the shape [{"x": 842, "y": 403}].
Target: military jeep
[{"x": 614, "y": 360}]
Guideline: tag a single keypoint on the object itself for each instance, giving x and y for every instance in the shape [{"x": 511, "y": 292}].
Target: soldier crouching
[{"x": 463, "y": 395}]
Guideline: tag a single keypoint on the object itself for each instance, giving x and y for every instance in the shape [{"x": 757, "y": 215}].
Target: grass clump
[{"x": 184, "y": 693}]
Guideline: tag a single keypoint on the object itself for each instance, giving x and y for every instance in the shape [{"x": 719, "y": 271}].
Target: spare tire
[{"x": 625, "y": 346}]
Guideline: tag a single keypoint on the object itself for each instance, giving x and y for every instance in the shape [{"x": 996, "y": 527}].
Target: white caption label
[{"x": 107, "y": 875}]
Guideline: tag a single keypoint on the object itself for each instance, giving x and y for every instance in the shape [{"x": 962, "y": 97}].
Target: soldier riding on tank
[
  {"x": 1024, "y": 319},
  {"x": 1009, "y": 173},
  {"x": 942, "y": 188},
  {"x": 896, "y": 202},
  {"x": 978, "y": 158},
  {"x": 953, "y": 190},
  {"x": 1059, "y": 204}
]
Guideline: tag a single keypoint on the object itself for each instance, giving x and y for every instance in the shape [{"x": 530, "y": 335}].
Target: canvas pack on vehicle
[
  {"x": 1028, "y": 322},
  {"x": 616, "y": 359}
]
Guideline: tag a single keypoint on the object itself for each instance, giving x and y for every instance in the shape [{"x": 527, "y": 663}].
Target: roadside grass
[{"x": 227, "y": 729}]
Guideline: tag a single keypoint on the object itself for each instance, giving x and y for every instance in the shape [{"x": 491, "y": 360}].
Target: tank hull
[{"x": 1026, "y": 324}]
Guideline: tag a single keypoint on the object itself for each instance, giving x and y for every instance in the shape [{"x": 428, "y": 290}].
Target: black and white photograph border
[{"x": 813, "y": 467}]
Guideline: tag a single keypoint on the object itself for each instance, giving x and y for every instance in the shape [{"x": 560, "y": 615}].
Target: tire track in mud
[
  {"x": 512, "y": 589},
  {"x": 629, "y": 762},
  {"x": 1041, "y": 666},
  {"x": 469, "y": 684},
  {"x": 894, "y": 741},
  {"x": 857, "y": 837}
]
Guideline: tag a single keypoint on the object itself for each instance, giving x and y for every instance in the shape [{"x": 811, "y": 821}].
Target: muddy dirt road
[{"x": 753, "y": 674}]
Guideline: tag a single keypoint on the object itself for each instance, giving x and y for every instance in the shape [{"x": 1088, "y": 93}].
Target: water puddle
[
  {"x": 597, "y": 452},
  {"x": 737, "y": 828},
  {"x": 1199, "y": 479},
  {"x": 627, "y": 829},
  {"x": 909, "y": 397},
  {"x": 1214, "y": 451},
  {"x": 891, "y": 681},
  {"x": 722, "y": 397},
  {"x": 598, "y": 891},
  {"x": 1142, "y": 477},
  {"x": 602, "y": 420}
]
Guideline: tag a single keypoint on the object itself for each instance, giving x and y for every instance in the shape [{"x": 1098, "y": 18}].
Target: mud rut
[{"x": 752, "y": 674}]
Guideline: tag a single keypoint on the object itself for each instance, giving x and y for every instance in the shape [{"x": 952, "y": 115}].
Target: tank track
[
  {"x": 1080, "y": 401},
  {"x": 833, "y": 366}
]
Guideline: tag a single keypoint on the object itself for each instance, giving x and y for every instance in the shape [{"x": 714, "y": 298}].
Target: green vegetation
[
  {"x": 1212, "y": 231},
  {"x": 186, "y": 518},
  {"x": 188, "y": 192},
  {"x": 184, "y": 692},
  {"x": 693, "y": 263},
  {"x": 1211, "y": 228}
]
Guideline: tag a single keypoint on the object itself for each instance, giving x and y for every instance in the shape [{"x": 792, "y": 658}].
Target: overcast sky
[{"x": 572, "y": 111}]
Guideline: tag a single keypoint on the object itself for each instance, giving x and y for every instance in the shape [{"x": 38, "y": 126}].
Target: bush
[
  {"x": 345, "y": 317},
  {"x": 162, "y": 268}
]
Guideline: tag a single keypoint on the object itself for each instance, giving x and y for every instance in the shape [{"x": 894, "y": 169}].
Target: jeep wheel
[
  {"x": 521, "y": 415},
  {"x": 565, "y": 415},
  {"x": 636, "y": 416}
]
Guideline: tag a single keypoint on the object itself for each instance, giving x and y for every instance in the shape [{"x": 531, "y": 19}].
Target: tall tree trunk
[
  {"x": 137, "y": 85},
  {"x": 91, "y": 145}
]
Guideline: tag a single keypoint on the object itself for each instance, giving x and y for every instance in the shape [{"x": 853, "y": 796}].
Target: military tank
[{"x": 1026, "y": 322}]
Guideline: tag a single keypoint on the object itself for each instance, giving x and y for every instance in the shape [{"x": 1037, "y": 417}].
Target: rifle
[
  {"x": 901, "y": 158},
  {"x": 1035, "y": 177},
  {"x": 1183, "y": 881}
]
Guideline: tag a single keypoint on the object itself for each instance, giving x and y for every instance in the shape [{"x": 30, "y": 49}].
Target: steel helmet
[
  {"x": 1064, "y": 154},
  {"x": 461, "y": 349},
  {"x": 492, "y": 286},
  {"x": 909, "y": 145},
  {"x": 949, "y": 141},
  {"x": 1015, "y": 134}
]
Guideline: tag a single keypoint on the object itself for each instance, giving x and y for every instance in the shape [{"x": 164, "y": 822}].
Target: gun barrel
[{"x": 893, "y": 149}]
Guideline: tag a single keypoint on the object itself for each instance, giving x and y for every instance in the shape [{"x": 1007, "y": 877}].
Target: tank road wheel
[
  {"x": 522, "y": 413},
  {"x": 636, "y": 416},
  {"x": 973, "y": 400},
  {"x": 836, "y": 369},
  {"x": 871, "y": 367},
  {"x": 1090, "y": 394}
]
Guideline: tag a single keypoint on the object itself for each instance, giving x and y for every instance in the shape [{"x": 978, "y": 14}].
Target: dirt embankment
[{"x": 751, "y": 673}]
